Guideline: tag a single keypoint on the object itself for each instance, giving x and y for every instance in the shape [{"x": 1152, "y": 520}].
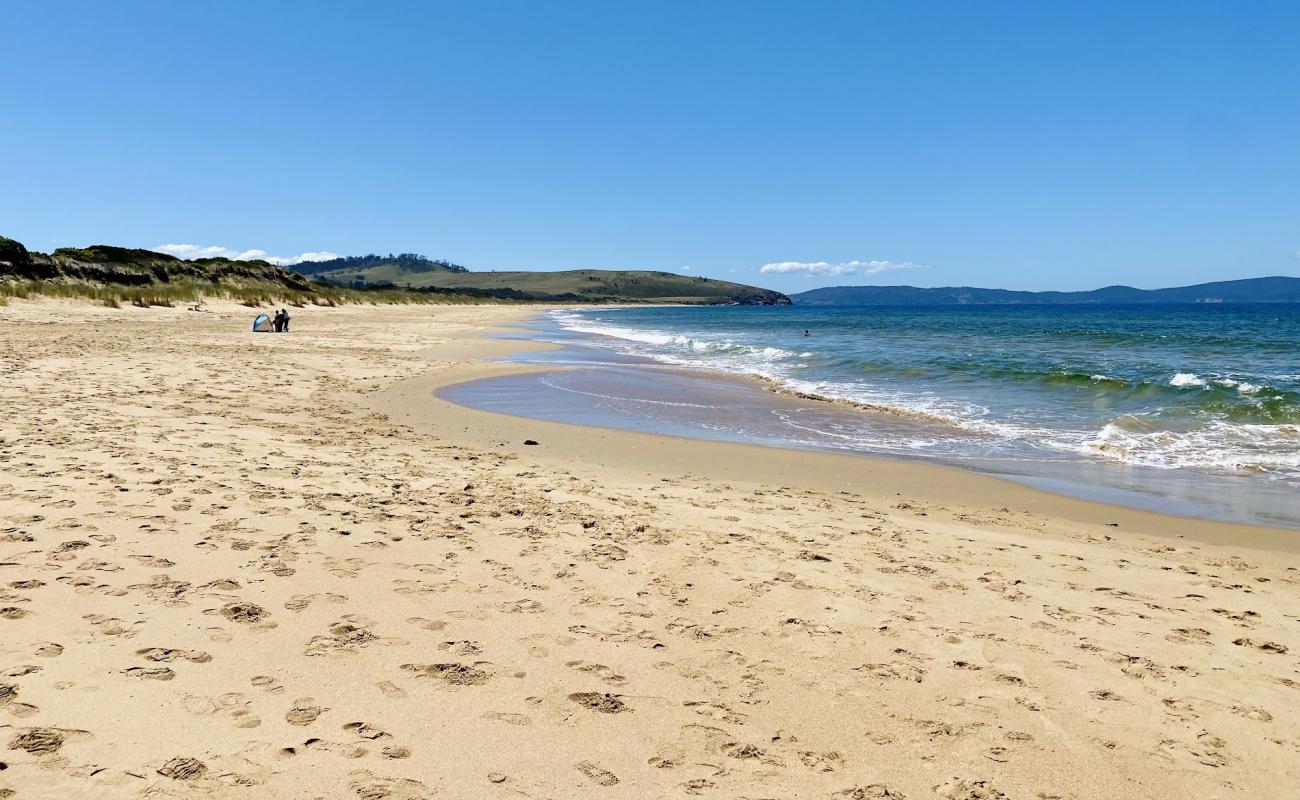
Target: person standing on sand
[
  {"x": 284, "y": 320},
  {"x": 277, "y": 322}
]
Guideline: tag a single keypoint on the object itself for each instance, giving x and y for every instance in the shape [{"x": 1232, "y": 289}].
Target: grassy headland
[
  {"x": 117, "y": 275},
  {"x": 579, "y": 285}
]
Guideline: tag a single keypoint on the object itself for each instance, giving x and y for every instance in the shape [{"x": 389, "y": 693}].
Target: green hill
[
  {"x": 144, "y": 276},
  {"x": 104, "y": 264},
  {"x": 581, "y": 285},
  {"x": 402, "y": 262},
  {"x": 116, "y": 275}
]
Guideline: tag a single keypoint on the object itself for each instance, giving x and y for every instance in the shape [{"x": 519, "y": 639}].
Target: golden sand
[{"x": 259, "y": 566}]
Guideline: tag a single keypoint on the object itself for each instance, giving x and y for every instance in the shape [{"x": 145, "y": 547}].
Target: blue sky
[{"x": 1019, "y": 145}]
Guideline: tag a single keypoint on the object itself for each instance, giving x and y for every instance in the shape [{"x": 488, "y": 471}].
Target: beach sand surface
[{"x": 238, "y": 565}]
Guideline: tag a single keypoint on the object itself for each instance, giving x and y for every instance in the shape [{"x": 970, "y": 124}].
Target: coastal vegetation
[
  {"x": 122, "y": 276},
  {"x": 407, "y": 262},
  {"x": 580, "y": 285}
]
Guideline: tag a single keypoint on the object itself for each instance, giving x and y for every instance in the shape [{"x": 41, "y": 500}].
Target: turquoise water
[
  {"x": 1199, "y": 387},
  {"x": 1189, "y": 410}
]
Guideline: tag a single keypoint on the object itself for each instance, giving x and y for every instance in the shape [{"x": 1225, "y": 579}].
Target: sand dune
[{"x": 254, "y": 566}]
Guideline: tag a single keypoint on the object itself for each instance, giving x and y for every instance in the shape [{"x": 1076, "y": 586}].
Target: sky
[{"x": 790, "y": 145}]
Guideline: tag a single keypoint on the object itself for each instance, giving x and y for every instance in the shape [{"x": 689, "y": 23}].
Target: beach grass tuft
[{"x": 254, "y": 296}]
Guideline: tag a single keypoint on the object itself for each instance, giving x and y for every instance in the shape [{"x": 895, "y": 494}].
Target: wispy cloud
[
  {"x": 192, "y": 251},
  {"x": 841, "y": 268}
]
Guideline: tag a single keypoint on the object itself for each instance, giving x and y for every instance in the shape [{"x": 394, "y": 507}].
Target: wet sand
[
  {"x": 238, "y": 565},
  {"x": 592, "y": 387}
]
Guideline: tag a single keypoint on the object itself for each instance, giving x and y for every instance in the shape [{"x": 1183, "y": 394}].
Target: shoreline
[
  {"x": 877, "y": 477},
  {"x": 225, "y": 574}
]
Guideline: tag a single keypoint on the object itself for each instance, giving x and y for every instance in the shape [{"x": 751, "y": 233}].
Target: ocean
[{"x": 1187, "y": 409}]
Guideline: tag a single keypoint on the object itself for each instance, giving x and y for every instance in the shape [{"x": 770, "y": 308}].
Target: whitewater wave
[
  {"x": 1217, "y": 446},
  {"x": 680, "y": 342},
  {"x": 1202, "y": 443},
  {"x": 1186, "y": 379}
]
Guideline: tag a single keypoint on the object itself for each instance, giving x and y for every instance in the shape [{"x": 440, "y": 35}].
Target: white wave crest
[
  {"x": 1138, "y": 440},
  {"x": 1186, "y": 379}
]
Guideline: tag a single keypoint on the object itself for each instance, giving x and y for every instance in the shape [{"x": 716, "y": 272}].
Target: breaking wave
[{"x": 1130, "y": 411}]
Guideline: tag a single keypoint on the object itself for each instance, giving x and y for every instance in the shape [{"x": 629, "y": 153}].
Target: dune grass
[{"x": 171, "y": 294}]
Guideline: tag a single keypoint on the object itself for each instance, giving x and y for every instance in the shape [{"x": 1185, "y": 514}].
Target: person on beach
[
  {"x": 284, "y": 320},
  {"x": 277, "y": 322}
]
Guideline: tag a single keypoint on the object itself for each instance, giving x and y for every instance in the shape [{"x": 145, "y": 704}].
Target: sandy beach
[{"x": 236, "y": 565}]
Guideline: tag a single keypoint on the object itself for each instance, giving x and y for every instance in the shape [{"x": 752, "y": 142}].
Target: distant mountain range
[{"x": 1277, "y": 289}]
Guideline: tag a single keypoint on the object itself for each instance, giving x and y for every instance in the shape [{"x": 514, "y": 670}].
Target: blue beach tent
[{"x": 262, "y": 324}]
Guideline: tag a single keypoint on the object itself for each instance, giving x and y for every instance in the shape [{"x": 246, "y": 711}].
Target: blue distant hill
[{"x": 1277, "y": 289}]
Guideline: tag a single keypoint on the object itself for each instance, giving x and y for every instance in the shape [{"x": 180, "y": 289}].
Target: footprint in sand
[
  {"x": 232, "y": 704},
  {"x": 303, "y": 712},
  {"x": 599, "y": 670},
  {"x": 153, "y": 562},
  {"x": 1252, "y": 712},
  {"x": 596, "y": 774},
  {"x": 152, "y": 674},
  {"x": 1189, "y": 636},
  {"x": 166, "y": 654},
  {"x": 112, "y": 626},
  {"x": 716, "y": 711},
  {"x": 427, "y": 624},
  {"x": 38, "y": 741},
  {"x": 874, "y": 791},
  {"x": 300, "y": 602},
  {"x": 345, "y": 636},
  {"x": 9, "y": 702},
  {"x": 183, "y": 768},
  {"x": 243, "y": 612},
  {"x": 958, "y": 789},
  {"x": 1245, "y": 618},
  {"x": 267, "y": 684},
  {"x": 452, "y": 674},
  {"x": 368, "y": 786},
  {"x": 391, "y": 690},
  {"x": 1265, "y": 647},
  {"x": 48, "y": 650},
  {"x": 821, "y": 762},
  {"x": 596, "y": 701},
  {"x": 366, "y": 731},
  {"x": 524, "y": 606}
]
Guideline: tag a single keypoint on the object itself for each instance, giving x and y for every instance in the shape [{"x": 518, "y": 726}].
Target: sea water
[{"x": 1195, "y": 404}]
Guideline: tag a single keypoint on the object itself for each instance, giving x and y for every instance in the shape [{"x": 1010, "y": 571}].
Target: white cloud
[
  {"x": 323, "y": 255},
  {"x": 842, "y": 268},
  {"x": 192, "y": 251}
]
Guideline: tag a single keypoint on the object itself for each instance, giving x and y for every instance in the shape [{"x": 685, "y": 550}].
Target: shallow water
[{"x": 1134, "y": 432}]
